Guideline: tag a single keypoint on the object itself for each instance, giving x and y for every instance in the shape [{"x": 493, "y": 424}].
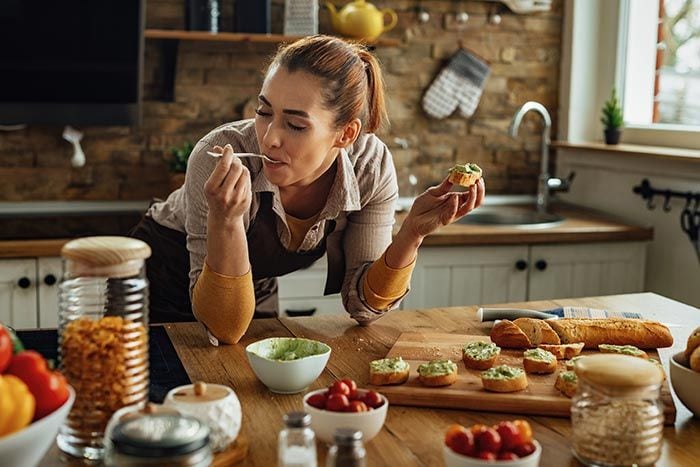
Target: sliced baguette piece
[
  {"x": 570, "y": 362},
  {"x": 538, "y": 331},
  {"x": 388, "y": 371},
  {"x": 506, "y": 334},
  {"x": 592, "y": 332},
  {"x": 504, "y": 378},
  {"x": 480, "y": 355},
  {"x": 437, "y": 373},
  {"x": 693, "y": 342},
  {"x": 465, "y": 175},
  {"x": 623, "y": 349},
  {"x": 563, "y": 351},
  {"x": 539, "y": 361},
  {"x": 566, "y": 383}
]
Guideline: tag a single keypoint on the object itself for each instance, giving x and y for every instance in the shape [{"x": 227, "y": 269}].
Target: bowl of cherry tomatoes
[
  {"x": 508, "y": 443},
  {"x": 343, "y": 405}
]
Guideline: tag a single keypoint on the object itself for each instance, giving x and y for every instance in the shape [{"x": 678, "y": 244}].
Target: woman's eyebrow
[{"x": 299, "y": 113}]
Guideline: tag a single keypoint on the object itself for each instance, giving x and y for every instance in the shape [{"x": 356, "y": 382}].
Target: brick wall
[{"x": 214, "y": 81}]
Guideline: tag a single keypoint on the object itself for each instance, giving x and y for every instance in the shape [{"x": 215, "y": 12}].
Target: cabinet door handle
[
  {"x": 300, "y": 312},
  {"x": 50, "y": 279},
  {"x": 541, "y": 265},
  {"x": 521, "y": 265},
  {"x": 24, "y": 283}
]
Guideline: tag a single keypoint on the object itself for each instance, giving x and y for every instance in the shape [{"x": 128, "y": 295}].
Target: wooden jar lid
[
  {"x": 618, "y": 371},
  {"x": 105, "y": 256}
]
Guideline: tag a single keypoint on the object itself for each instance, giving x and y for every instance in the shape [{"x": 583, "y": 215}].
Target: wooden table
[{"x": 411, "y": 436}]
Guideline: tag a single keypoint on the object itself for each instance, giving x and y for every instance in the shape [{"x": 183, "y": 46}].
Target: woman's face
[{"x": 293, "y": 127}]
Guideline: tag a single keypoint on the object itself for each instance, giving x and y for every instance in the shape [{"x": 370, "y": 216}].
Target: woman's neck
[{"x": 305, "y": 201}]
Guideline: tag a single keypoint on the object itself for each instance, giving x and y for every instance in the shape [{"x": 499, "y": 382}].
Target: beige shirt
[{"x": 361, "y": 202}]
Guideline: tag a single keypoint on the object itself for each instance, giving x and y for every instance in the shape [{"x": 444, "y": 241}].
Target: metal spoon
[{"x": 246, "y": 154}]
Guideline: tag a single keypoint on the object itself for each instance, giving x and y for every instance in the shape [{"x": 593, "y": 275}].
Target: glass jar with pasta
[{"x": 103, "y": 336}]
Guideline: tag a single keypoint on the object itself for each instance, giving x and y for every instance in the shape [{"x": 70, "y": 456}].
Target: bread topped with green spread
[
  {"x": 480, "y": 355},
  {"x": 465, "y": 174},
  {"x": 570, "y": 363},
  {"x": 437, "y": 373},
  {"x": 539, "y": 361},
  {"x": 504, "y": 378},
  {"x": 567, "y": 382},
  {"x": 388, "y": 371},
  {"x": 623, "y": 349}
]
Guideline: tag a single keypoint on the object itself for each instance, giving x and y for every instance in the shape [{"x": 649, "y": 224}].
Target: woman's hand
[
  {"x": 438, "y": 206},
  {"x": 228, "y": 190}
]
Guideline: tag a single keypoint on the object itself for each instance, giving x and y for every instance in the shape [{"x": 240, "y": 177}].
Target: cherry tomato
[
  {"x": 486, "y": 455},
  {"x": 524, "y": 449},
  {"x": 357, "y": 406},
  {"x": 507, "y": 456},
  {"x": 525, "y": 430},
  {"x": 317, "y": 400},
  {"x": 337, "y": 402},
  {"x": 510, "y": 435},
  {"x": 353, "y": 387},
  {"x": 373, "y": 399},
  {"x": 339, "y": 387},
  {"x": 478, "y": 428},
  {"x": 460, "y": 440},
  {"x": 488, "y": 440}
]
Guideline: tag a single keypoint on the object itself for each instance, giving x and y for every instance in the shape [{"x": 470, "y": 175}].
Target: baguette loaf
[
  {"x": 619, "y": 331},
  {"x": 538, "y": 331},
  {"x": 507, "y": 334}
]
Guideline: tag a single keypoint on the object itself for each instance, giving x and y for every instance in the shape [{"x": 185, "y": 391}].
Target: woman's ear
[{"x": 349, "y": 134}]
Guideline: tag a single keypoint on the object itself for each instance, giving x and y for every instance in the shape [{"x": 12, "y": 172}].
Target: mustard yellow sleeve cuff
[{"x": 383, "y": 285}]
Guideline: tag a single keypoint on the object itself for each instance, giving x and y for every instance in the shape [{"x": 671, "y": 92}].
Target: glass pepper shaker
[
  {"x": 297, "y": 442},
  {"x": 616, "y": 415},
  {"x": 348, "y": 450},
  {"x": 102, "y": 336}
]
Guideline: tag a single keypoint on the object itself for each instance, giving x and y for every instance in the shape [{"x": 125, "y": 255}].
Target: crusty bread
[
  {"x": 386, "y": 378},
  {"x": 619, "y": 331},
  {"x": 693, "y": 342},
  {"x": 566, "y": 383},
  {"x": 630, "y": 350},
  {"x": 517, "y": 382},
  {"x": 695, "y": 359},
  {"x": 466, "y": 179},
  {"x": 544, "y": 363},
  {"x": 570, "y": 362},
  {"x": 538, "y": 331},
  {"x": 563, "y": 351},
  {"x": 438, "y": 380},
  {"x": 506, "y": 334},
  {"x": 480, "y": 362},
  {"x": 437, "y": 372}
]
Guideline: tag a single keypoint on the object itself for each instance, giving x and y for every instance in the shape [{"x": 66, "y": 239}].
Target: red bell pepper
[
  {"x": 48, "y": 387},
  {"x": 5, "y": 348}
]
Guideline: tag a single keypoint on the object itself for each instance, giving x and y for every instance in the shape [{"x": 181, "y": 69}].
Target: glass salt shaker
[
  {"x": 297, "y": 442},
  {"x": 102, "y": 336},
  {"x": 616, "y": 415},
  {"x": 348, "y": 450}
]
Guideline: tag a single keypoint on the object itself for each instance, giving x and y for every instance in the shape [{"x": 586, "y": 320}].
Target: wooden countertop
[
  {"x": 580, "y": 225},
  {"x": 411, "y": 436}
]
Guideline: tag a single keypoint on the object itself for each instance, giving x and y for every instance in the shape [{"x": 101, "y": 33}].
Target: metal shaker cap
[
  {"x": 347, "y": 436},
  {"x": 297, "y": 419}
]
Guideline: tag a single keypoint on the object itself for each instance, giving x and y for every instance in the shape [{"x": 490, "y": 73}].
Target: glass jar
[
  {"x": 348, "y": 450},
  {"x": 297, "y": 442},
  {"x": 102, "y": 336},
  {"x": 159, "y": 440},
  {"x": 617, "y": 416}
]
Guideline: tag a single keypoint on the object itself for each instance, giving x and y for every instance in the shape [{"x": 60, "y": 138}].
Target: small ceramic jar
[
  {"x": 215, "y": 404},
  {"x": 134, "y": 411}
]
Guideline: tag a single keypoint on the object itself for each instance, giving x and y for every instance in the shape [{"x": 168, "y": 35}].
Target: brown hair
[{"x": 352, "y": 79}]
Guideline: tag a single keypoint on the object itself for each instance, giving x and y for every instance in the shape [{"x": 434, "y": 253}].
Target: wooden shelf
[
  {"x": 656, "y": 152},
  {"x": 173, "y": 34}
]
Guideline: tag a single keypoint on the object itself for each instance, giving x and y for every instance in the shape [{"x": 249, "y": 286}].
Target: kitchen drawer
[
  {"x": 304, "y": 283},
  {"x": 332, "y": 304}
]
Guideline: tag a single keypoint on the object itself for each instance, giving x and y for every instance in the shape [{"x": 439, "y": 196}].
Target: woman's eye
[
  {"x": 261, "y": 113},
  {"x": 296, "y": 128}
]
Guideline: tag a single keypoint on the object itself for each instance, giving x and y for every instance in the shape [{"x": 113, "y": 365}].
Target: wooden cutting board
[{"x": 539, "y": 398}]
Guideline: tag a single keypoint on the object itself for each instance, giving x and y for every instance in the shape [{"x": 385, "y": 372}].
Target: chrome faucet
[{"x": 545, "y": 183}]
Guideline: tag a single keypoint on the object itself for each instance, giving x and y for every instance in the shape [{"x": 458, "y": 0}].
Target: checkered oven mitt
[{"x": 460, "y": 83}]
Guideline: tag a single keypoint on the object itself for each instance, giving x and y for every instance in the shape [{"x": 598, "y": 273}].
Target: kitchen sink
[{"x": 511, "y": 216}]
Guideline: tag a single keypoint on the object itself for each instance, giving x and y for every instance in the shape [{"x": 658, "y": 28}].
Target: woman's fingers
[
  {"x": 220, "y": 172},
  {"x": 480, "y": 192},
  {"x": 442, "y": 189}
]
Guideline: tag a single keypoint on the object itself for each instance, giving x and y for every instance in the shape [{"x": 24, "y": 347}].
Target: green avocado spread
[
  {"x": 481, "y": 350},
  {"x": 388, "y": 365},
  {"x": 502, "y": 372},
  {"x": 293, "y": 349},
  {"x": 466, "y": 168},
  {"x": 569, "y": 376},
  {"x": 540, "y": 355},
  {"x": 437, "y": 368},
  {"x": 623, "y": 349}
]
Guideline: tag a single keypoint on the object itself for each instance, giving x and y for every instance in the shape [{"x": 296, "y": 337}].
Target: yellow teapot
[{"x": 361, "y": 20}]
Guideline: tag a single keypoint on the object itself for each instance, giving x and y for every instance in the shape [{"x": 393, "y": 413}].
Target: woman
[{"x": 238, "y": 223}]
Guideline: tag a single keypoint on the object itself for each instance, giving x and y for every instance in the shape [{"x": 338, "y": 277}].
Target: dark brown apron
[{"x": 169, "y": 265}]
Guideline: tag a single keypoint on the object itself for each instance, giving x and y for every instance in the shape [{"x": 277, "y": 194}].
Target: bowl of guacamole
[{"x": 287, "y": 365}]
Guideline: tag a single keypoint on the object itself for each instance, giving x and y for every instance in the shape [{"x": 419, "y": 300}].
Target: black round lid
[
  {"x": 297, "y": 419},
  {"x": 160, "y": 435},
  {"x": 347, "y": 436}
]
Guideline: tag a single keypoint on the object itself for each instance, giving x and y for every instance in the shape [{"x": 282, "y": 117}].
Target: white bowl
[
  {"x": 325, "y": 422},
  {"x": 286, "y": 376},
  {"x": 26, "y": 447},
  {"x": 685, "y": 382},
  {"x": 453, "y": 459}
]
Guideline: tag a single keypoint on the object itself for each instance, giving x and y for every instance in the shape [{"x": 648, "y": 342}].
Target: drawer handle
[
  {"x": 300, "y": 312},
  {"x": 541, "y": 265},
  {"x": 521, "y": 265},
  {"x": 24, "y": 283},
  {"x": 50, "y": 279}
]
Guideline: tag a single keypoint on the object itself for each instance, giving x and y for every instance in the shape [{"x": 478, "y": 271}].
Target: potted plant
[
  {"x": 612, "y": 119},
  {"x": 177, "y": 164}
]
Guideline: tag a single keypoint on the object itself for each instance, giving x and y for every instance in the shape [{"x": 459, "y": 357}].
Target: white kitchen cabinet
[
  {"x": 301, "y": 292},
  {"x": 29, "y": 292}
]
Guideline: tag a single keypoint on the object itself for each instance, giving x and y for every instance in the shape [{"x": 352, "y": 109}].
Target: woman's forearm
[
  {"x": 227, "y": 248},
  {"x": 403, "y": 249}
]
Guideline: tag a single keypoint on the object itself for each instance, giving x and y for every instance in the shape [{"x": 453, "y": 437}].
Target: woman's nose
[{"x": 271, "y": 139}]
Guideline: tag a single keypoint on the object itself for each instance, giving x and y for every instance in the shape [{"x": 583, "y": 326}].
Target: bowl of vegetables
[{"x": 34, "y": 403}]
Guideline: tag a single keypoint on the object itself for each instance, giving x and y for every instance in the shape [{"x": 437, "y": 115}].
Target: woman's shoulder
[{"x": 370, "y": 154}]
